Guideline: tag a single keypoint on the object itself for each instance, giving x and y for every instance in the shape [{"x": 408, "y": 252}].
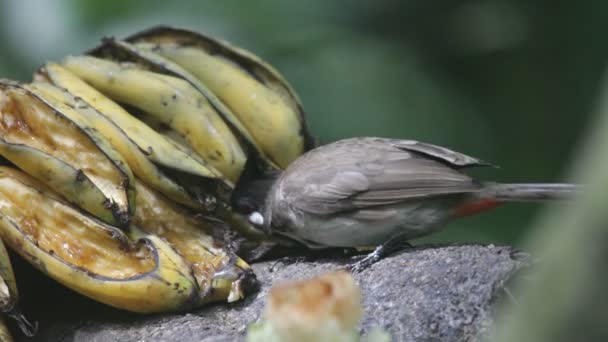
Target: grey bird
[{"x": 363, "y": 192}]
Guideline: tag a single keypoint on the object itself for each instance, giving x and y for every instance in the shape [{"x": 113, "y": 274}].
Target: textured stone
[{"x": 427, "y": 293}]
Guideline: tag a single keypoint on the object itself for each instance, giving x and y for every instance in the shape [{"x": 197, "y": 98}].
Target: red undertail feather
[{"x": 475, "y": 207}]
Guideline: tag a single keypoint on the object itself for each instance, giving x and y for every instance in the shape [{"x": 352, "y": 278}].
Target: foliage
[
  {"x": 566, "y": 300},
  {"x": 509, "y": 81}
]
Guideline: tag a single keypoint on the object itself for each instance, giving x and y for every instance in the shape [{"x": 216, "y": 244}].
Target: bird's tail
[
  {"x": 529, "y": 191},
  {"x": 495, "y": 194}
]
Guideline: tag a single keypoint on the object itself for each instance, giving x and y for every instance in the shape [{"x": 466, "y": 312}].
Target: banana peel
[
  {"x": 170, "y": 100},
  {"x": 261, "y": 99},
  {"x": 92, "y": 258},
  {"x": 9, "y": 294},
  {"x": 9, "y": 297},
  {"x": 44, "y": 140},
  {"x": 169, "y": 119},
  {"x": 144, "y": 55},
  {"x": 140, "y": 163},
  {"x": 220, "y": 274},
  {"x": 156, "y": 147}
]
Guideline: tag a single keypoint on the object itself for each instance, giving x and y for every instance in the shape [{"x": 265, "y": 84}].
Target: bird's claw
[
  {"x": 380, "y": 252},
  {"x": 288, "y": 260},
  {"x": 365, "y": 262}
]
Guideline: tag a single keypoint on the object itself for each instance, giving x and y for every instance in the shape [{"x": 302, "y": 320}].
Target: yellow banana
[
  {"x": 64, "y": 153},
  {"x": 90, "y": 257},
  {"x": 9, "y": 295},
  {"x": 196, "y": 110},
  {"x": 156, "y": 147},
  {"x": 170, "y": 100},
  {"x": 256, "y": 93},
  {"x": 141, "y": 165},
  {"x": 219, "y": 273},
  {"x": 157, "y": 63}
]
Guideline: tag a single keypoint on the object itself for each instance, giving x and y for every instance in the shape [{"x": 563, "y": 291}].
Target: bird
[{"x": 380, "y": 192}]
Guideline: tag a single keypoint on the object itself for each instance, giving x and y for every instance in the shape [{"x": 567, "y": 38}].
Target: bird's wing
[
  {"x": 450, "y": 157},
  {"x": 365, "y": 176}
]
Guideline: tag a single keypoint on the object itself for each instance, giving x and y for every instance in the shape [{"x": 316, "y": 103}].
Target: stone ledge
[{"x": 421, "y": 294}]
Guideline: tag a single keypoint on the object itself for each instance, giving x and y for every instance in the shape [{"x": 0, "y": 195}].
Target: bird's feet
[
  {"x": 287, "y": 260},
  {"x": 365, "y": 262},
  {"x": 378, "y": 254}
]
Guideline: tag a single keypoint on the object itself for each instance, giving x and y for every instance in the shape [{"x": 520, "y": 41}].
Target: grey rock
[{"x": 428, "y": 293}]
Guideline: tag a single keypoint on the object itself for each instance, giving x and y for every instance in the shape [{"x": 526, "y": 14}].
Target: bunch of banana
[
  {"x": 83, "y": 253},
  {"x": 236, "y": 111},
  {"x": 172, "y": 169},
  {"x": 120, "y": 167},
  {"x": 251, "y": 95}
]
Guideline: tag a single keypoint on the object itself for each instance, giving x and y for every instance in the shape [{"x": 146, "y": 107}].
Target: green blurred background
[{"x": 511, "y": 82}]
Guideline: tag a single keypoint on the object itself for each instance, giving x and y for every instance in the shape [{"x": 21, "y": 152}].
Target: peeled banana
[
  {"x": 44, "y": 139},
  {"x": 255, "y": 93},
  {"x": 90, "y": 257},
  {"x": 170, "y": 100}
]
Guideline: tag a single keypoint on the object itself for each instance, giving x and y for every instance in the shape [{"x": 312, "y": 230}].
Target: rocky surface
[{"x": 425, "y": 293}]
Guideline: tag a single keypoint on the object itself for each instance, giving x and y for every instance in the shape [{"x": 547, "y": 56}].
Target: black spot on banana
[
  {"x": 49, "y": 141},
  {"x": 9, "y": 297},
  {"x": 123, "y": 132},
  {"x": 92, "y": 258},
  {"x": 260, "y": 98},
  {"x": 169, "y": 100}
]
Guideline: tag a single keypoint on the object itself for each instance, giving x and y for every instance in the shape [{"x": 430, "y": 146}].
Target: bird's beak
[{"x": 256, "y": 219}]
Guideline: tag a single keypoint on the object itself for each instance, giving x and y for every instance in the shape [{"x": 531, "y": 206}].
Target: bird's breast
[{"x": 371, "y": 226}]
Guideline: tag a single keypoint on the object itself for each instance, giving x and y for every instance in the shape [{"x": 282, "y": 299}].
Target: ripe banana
[
  {"x": 48, "y": 142},
  {"x": 127, "y": 51},
  {"x": 181, "y": 133},
  {"x": 90, "y": 257},
  {"x": 218, "y": 273},
  {"x": 9, "y": 296},
  {"x": 172, "y": 101},
  {"x": 257, "y": 94},
  {"x": 142, "y": 166},
  {"x": 156, "y": 147}
]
